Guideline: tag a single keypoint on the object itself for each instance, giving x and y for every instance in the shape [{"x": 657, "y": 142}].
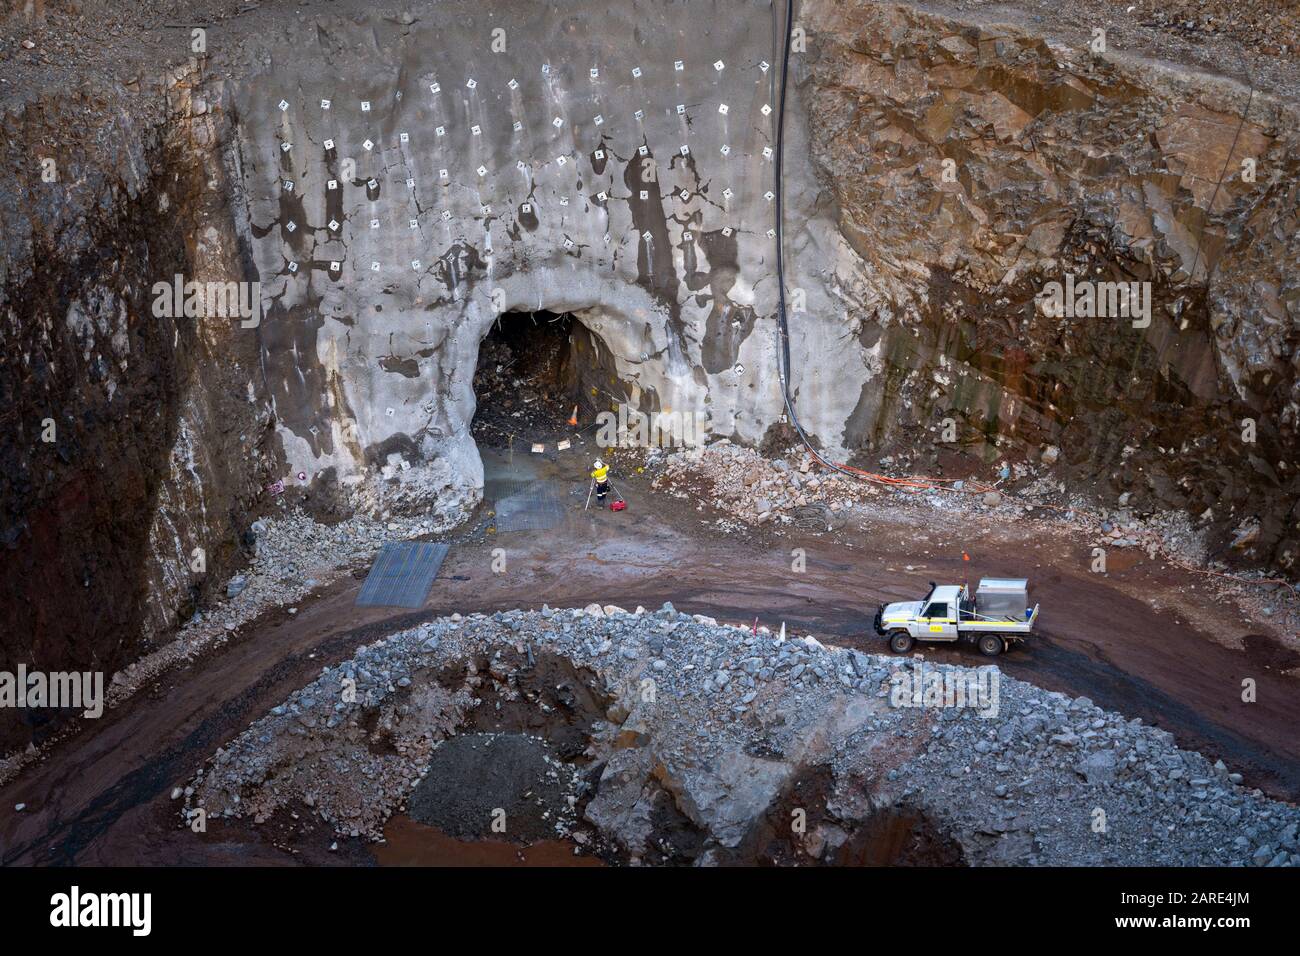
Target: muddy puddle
[
  {"x": 1268, "y": 651},
  {"x": 410, "y": 843}
]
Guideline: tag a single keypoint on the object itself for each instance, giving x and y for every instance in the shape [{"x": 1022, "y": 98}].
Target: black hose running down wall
[{"x": 781, "y": 317}]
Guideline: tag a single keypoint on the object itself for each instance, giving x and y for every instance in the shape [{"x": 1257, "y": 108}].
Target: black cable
[
  {"x": 784, "y": 357},
  {"x": 782, "y": 321},
  {"x": 1209, "y": 209}
]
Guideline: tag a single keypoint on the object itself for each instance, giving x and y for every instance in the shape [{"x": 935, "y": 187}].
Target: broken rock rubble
[{"x": 714, "y": 724}]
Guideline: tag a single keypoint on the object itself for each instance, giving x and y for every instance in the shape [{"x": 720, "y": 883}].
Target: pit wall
[
  {"x": 531, "y": 163},
  {"x": 131, "y": 444},
  {"x": 972, "y": 163},
  {"x": 954, "y": 169}
]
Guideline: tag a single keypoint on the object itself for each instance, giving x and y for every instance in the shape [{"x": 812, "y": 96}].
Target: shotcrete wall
[{"x": 411, "y": 178}]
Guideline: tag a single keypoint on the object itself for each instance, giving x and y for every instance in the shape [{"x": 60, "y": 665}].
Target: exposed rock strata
[{"x": 1065, "y": 162}]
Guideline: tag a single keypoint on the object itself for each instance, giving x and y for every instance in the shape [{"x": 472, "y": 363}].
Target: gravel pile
[
  {"x": 513, "y": 777},
  {"x": 792, "y": 491},
  {"x": 719, "y": 721}
]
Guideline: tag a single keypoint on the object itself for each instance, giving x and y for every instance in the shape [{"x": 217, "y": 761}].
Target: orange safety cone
[{"x": 573, "y": 419}]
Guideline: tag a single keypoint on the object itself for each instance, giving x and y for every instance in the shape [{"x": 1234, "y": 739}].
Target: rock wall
[
  {"x": 1061, "y": 161},
  {"x": 120, "y": 428},
  {"x": 480, "y": 161},
  {"x": 507, "y": 173}
]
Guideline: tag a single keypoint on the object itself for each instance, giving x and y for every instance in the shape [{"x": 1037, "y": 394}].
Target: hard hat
[{"x": 598, "y": 464}]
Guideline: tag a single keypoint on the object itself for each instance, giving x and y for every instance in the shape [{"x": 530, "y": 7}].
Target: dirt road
[{"x": 102, "y": 796}]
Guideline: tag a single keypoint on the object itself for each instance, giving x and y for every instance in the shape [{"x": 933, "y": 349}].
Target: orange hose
[{"x": 913, "y": 481}]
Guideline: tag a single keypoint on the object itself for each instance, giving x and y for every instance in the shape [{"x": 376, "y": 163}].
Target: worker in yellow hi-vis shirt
[{"x": 600, "y": 474}]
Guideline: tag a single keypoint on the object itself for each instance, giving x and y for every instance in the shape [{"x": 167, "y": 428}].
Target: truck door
[{"x": 939, "y": 622}]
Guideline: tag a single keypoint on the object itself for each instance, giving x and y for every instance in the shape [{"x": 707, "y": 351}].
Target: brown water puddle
[{"x": 409, "y": 843}]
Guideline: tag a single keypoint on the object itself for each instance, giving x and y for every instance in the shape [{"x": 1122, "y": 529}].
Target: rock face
[
  {"x": 128, "y": 447},
  {"x": 614, "y": 161},
  {"x": 677, "y": 740},
  {"x": 974, "y": 163}
]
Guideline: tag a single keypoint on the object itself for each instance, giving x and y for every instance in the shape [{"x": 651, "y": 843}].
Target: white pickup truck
[{"x": 998, "y": 617}]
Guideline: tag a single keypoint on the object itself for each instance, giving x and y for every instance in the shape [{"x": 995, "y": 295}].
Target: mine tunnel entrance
[{"x": 534, "y": 369}]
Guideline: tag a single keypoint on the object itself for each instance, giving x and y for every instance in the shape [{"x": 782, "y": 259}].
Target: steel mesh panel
[
  {"x": 536, "y": 506},
  {"x": 402, "y": 574}
]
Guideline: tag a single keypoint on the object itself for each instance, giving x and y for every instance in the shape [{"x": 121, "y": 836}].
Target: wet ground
[
  {"x": 409, "y": 843},
  {"x": 1148, "y": 641}
]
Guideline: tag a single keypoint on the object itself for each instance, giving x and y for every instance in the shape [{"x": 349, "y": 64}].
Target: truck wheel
[
  {"x": 991, "y": 645},
  {"x": 900, "y": 642}
]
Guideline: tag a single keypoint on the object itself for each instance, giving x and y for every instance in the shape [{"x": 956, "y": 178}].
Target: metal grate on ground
[
  {"x": 402, "y": 574},
  {"x": 537, "y": 506}
]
